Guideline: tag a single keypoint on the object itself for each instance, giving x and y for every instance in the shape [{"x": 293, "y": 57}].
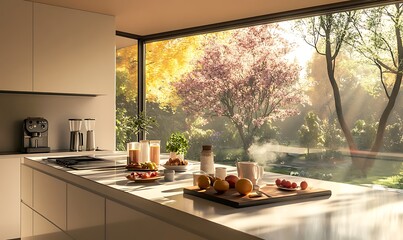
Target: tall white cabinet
[
  {"x": 10, "y": 198},
  {"x": 16, "y": 45}
]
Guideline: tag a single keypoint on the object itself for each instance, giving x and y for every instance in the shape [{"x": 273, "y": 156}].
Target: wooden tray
[{"x": 234, "y": 199}]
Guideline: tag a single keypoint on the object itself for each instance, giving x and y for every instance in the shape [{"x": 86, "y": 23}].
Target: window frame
[{"x": 246, "y": 22}]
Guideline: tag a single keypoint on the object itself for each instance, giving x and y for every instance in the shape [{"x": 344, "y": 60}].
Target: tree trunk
[
  {"x": 357, "y": 162},
  {"x": 337, "y": 98},
  {"x": 245, "y": 141}
]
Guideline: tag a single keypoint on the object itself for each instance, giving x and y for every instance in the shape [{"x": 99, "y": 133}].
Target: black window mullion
[{"x": 141, "y": 97}]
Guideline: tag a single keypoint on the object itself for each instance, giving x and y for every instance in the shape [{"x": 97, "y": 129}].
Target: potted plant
[
  {"x": 177, "y": 145},
  {"x": 140, "y": 123}
]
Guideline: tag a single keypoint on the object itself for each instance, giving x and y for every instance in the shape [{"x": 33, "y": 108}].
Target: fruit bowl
[
  {"x": 145, "y": 180},
  {"x": 143, "y": 176},
  {"x": 178, "y": 168}
]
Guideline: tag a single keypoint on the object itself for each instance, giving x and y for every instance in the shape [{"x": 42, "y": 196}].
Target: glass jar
[
  {"x": 155, "y": 151},
  {"x": 145, "y": 151},
  {"x": 133, "y": 149},
  {"x": 207, "y": 160}
]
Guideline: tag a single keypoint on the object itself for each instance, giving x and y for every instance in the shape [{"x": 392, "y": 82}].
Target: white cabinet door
[
  {"x": 16, "y": 45},
  {"x": 45, "y": 230},
  {"x": 74, "y": 51},
  {"x": 50, "y": 198},
  {"x": 125, "y": 223},
  {"x": 10, "y": 198},
  {"x": 85, "y": 214},
  {"x": 26, "y": 185},
  {"x": 27, "y": 222}
]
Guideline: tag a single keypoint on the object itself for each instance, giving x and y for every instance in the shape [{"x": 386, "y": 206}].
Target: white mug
[{"x": 250, "y": 170}]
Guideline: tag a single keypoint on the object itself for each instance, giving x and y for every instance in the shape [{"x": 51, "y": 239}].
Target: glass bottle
[
  {"x": 145, "y": 151},
  {"x": 207, "y": 160},
  {"x": 155, "y": 151}
]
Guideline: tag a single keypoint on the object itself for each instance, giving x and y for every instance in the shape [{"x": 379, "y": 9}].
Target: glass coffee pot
[
  {"x": 76, "y": 137},
  {"x": 90, "y": 127}
]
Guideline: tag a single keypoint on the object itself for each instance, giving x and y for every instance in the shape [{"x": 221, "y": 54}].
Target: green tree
[
  {"x": 376, "y": 35},
  {"x": 310, "y": 133},
  {"x": 248, "y": 80},
  {"x": 332, "y": 135},
  {"x": 364, "y": 134},
  {"x": 394, "y": 137}
]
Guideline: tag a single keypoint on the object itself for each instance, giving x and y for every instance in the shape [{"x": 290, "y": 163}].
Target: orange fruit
[
  {"x": 220, "y": 186},
  {"x": 244, "y": 186},
  {"x": 203, "y": 182}
]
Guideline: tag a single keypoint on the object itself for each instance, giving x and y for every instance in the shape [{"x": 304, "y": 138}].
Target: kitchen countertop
[{"x": 352, "y": 212}]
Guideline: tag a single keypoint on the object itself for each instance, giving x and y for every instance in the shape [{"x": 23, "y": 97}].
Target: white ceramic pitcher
[{"x": 250, "y": 170}]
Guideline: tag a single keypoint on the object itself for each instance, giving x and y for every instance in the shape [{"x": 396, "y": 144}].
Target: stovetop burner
[{"x": 86, "y": 162}]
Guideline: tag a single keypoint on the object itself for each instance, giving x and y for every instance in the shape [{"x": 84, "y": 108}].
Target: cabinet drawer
[
  {"x": 85, "y": 214},
  {"x": 27, "y": 219},
  {"x": 45, "y": 230},
  {"x": 124, "y": 223},
  {"x": 50, "y": 198}
]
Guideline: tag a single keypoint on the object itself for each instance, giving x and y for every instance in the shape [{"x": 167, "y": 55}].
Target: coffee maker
[
  {"x": 90, "y": 126},
  {"x": 76, "y": 137},
  {"x": 35, "y": 135}
]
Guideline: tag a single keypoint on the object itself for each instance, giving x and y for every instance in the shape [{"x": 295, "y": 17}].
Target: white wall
[{"x": 14, "y": 108}]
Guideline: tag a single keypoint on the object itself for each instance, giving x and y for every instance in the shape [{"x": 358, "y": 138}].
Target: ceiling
[{"x": 146, "y": 17}]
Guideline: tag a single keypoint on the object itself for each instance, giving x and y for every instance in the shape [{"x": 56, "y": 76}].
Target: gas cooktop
[{"x": 88, "y": 162}]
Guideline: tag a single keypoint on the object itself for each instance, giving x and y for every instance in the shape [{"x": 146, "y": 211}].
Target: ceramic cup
[
  {"x": 220, "y": 172},
  {"x": 250, "y": 170},
  {"x": 169, "y": 175}
]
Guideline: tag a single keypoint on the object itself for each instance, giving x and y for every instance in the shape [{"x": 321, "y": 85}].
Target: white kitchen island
[{"x": 61, "y": 203}]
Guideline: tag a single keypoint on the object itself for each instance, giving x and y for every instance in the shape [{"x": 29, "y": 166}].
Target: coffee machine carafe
[
  {"x": 76, "y": 137},
  {"x": 90, "y": 126},
  {"x": 35, "y": 135}
]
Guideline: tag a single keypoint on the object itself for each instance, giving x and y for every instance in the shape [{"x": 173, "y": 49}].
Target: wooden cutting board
[{"x": 234, "y": 199}]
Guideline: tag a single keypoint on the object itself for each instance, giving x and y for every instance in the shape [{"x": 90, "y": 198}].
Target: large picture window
[
  {"x": 316, "y": 97},
  {"x": 126, "y": 90}
]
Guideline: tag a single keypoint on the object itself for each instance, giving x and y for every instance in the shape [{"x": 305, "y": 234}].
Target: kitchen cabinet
[
  {"x": 10, "y": 198},
  {"x": 52, "y": 49},
  {"x": 26, "y": 185},
  {"x": 43, "y": 229},
  {"x": 16, "y": 45},
  {"x": 50, "y": 198},
  {"x": 27, "y": 222},
  {"x": 122, "y": 222},
  {"x": 74, "y": 51},
  {"x": 85, "y": 214}
]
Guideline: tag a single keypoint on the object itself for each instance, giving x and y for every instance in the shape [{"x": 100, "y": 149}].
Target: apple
[
  {"x": 283, "y": 182},
  {"x": 303, "y": 185},
  {"x": 231, "y": 179},
  {"x": 145, "y": 175},
  {"x": 287, "y": 184}
]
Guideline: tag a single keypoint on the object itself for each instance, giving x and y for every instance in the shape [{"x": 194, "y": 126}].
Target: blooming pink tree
[{"x": 246, "y": 78}]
